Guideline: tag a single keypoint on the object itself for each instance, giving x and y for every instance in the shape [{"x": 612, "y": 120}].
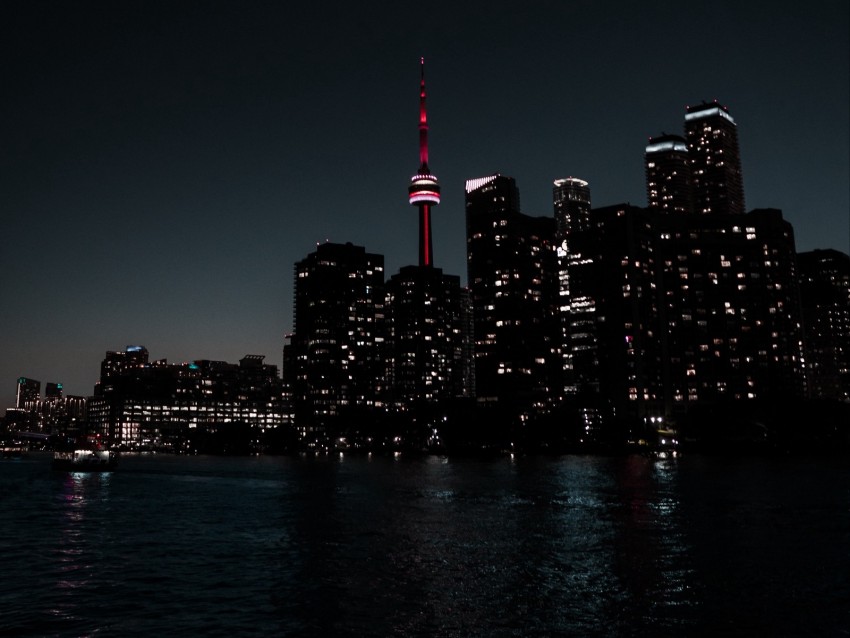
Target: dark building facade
[
  {"x": 338, "y": 349},
  {"x": 825, "y": 295},
  {"x": 617, "y": 339},
  {"x": 733, "y": 320},
  {"x": 513, "y": 279},
  {"x": 715, "y": 159}
]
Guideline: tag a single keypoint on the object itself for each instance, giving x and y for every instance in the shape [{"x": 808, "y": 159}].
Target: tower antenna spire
[
  {"x": 423, "y": 121},
  {"x": 424, "y": 190}
]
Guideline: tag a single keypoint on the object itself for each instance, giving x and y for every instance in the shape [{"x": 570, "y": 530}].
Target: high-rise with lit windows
[
  {"x": 429, "y": 353},
  {"x": 825, "y": 295},
  {"x": 337, "y": 349},
  {"x": 571, "y": 201},
  {"x": 513, "y": 280},
  {"x": 715, "y": 159},
  {"x": 668, "y": 174}
]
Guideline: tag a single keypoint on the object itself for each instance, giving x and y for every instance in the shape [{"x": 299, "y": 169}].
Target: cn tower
[{"x": 424, "y": 189}]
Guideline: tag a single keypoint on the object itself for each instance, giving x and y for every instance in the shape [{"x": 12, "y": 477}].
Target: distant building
[
  {"x": 337, "y": 350},
  {"x": 715, "y": 159},
  {"x": 668, "y": 174},
  {"x": 28, "y": 392},
  {"x": 53, "y": 390},
  {"x": 117, "y": 362},
  {"x": 50, "y": 414},
  {"x": 825, "y": 294},
  {"x": 513, "y": 279}
]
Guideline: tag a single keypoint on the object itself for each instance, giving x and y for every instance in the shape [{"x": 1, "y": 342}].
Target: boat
[
  {"x": 88, "y": 455},
  {"x": 13, "y": 450}
]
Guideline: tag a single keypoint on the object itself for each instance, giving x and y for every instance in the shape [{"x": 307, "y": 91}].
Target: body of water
[{"x": 357, "y": 546}]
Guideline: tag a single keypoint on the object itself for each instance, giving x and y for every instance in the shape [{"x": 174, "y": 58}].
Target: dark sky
[{"x": 165, "y": 164}]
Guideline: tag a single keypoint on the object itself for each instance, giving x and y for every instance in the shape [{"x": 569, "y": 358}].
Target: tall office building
[
  {"x": 825, "y": 294},
  {"x": 715, "y": 159},
  {"x": 513, "y": 281},
  {"x": 668, "y": 174},
  {"x": 571, "y": 200},
  {"x": 427, "y": 310},
  {"x": 337, "y": 349}
]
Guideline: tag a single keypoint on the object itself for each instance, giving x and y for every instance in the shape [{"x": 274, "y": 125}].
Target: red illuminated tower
[{"x": 424, "y": 190}]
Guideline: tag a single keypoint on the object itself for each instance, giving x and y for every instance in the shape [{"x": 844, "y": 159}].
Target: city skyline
[{"x": 165, "y": 173}]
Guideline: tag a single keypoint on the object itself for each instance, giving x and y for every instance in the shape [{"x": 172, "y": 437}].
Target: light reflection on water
[{"x": 434, "y": 546}]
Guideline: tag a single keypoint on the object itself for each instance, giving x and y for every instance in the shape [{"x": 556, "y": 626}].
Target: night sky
[{"x": 165, "y": 164}]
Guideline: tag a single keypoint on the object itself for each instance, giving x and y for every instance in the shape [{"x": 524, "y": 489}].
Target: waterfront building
[
  {"x": 49, "y": 414},
  {"x": 158, "y": 404},
  {"x": 668, "y": 174},
  {"x": 513, "y": 279},
  {"x": 825, "y": 293},
  {"x": 336, "y": 354},
  {"x": 715, "y": 159}
]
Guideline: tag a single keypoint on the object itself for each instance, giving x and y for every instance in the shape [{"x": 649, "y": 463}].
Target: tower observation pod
[{"x": 424, "y": 191}]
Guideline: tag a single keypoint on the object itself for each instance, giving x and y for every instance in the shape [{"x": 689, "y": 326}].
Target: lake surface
[{"x": 568, "y": 546}]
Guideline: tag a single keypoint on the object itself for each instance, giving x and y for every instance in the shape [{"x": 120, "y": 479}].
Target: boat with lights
[{"x": 86, "y": 455}]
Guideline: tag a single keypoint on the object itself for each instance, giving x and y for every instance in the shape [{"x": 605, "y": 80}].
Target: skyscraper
[
  {"x": 571, "y": 200},
  {"x": 338, "y": 345},
  {"x": 424, "y": 191},
  {"x": 825, "y": 295},
  {"x": 715, "y": 159},
  {"x": 513, "y": 280},
  {"x": 668, "y": 174}
]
